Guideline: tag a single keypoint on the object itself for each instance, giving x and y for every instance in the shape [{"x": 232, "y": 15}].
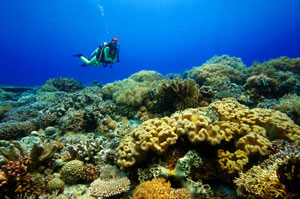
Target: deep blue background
[{"x": 38, "y": 37}]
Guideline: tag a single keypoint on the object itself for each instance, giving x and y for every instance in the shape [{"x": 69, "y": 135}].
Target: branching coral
[
  {"x": 260, "y": 182},
  {"x": 15, "y": 177},
  {"x": 91, "y": 148},
  {"x": 39, "y": 153},
  {"x": 90, "y": 172}
]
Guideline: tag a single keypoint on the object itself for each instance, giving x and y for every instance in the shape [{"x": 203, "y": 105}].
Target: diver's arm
[{"x": 95, "y": 52}]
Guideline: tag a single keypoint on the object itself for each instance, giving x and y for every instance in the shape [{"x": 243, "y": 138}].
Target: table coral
[
  {"x": 111, "y": 182},
  {"x": 109, "y": 188}
]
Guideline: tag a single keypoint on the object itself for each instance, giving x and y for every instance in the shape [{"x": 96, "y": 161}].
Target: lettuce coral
[
  {"x": 232, "y": 162},
  {"x": 159, "y": 189}
]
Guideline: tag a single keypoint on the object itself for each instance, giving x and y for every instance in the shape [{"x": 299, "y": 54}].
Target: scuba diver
[{"x": 107, "y": 53}]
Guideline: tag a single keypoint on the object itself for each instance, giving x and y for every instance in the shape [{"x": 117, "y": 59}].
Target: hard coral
[
  {"x": 90, "y": 172},
  {"x": 226, "y": 60},
  {"x": 70, "y": 173},
  {"x": 55, "y": 184},
  {"x": 15, "y": 177},
  {"x": 62, "y": 84},
  {"x": 100, "y": 188},
  {"x": 210, "y": 74}
]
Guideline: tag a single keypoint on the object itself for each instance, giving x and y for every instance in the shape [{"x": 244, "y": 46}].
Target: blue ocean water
[{"x": 37, "y": 38}]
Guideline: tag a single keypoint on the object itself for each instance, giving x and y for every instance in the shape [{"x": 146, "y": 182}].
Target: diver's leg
[{"x": 92, "y": 61}]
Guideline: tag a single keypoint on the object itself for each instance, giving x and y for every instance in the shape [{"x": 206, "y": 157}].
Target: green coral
[{"x": 181, "y": 172}]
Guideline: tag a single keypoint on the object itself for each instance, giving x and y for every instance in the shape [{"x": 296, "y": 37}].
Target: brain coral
[
  {"x": 70, "y": 173},
  {"x": 55, "y": 184}
]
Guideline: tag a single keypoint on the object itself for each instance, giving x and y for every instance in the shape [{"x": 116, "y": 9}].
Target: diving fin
[{"x": 77, "y": 55}]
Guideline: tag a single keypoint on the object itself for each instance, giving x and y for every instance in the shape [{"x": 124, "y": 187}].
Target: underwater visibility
[{"x": 161, "y": 99}]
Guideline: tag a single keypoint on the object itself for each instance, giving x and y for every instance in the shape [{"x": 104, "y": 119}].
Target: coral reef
[
  {"x": 260, "y": 182},
  {"x": 199, "y": 130},
  {"x": 290, "y": 105}
]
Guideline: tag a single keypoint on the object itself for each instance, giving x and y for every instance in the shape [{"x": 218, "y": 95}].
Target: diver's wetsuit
[{"x": 103, "y": 55}]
